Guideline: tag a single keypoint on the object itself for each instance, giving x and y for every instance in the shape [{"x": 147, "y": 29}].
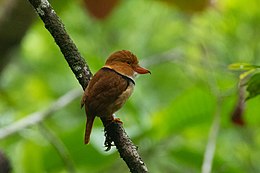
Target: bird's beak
[{"x": 140, "y": 70}]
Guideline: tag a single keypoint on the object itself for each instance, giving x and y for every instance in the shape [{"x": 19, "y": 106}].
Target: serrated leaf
[
  {"x": 253, "y": 86},
  {"x": 242, "y": 66}
]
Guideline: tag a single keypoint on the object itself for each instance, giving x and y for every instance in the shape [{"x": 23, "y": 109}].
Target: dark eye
[{"x": 128, "y": 62}]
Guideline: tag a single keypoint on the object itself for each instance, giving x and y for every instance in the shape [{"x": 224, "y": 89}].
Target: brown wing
[{"x": 104, "y": 89}]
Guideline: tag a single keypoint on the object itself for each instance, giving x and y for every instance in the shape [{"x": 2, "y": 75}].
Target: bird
[{"x": 109, "y": 88}]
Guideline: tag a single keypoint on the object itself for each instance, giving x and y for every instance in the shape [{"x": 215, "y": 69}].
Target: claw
[{"x": 117, "y": 120}]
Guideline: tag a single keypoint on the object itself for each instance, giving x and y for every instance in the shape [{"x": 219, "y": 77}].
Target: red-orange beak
[{"x": 141, "y": 70}]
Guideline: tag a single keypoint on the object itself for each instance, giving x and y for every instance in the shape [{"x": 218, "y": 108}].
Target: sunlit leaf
[
  {"x": 246, "y": 74},
  {"x": 242, "y": 66}
]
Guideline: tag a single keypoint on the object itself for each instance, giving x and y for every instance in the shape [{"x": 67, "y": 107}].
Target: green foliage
[
  {"x": 251, "y": 76},
  {"x": 171, "y": 111},
  {"x": 242, "y": 66},
  {"x": 253, "y": 86}
]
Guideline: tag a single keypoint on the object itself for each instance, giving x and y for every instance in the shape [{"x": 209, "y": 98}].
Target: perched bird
[{"x": 110, "y": 87}]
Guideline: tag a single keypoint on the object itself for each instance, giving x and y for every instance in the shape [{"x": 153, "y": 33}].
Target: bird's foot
[
  {"x": 112, "y": 119},
  {"x": 107, "y": 124},
  {"x": 117, "y": 120}
]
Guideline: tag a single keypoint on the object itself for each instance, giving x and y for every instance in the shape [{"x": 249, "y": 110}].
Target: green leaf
[
  {"x": 242, "y": 66},
  {"x": 245, "y": 74},
  {"x": 253, "y": 86}
]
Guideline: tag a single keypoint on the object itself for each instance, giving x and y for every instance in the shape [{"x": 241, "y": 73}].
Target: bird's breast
[{"x": 123, "y": 97}]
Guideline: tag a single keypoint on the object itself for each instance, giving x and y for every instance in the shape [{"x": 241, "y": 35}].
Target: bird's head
[{"x": 125, "y": 63}]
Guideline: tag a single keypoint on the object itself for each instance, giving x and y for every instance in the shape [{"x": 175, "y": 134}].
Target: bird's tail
[{"x": 89, "y": 124}]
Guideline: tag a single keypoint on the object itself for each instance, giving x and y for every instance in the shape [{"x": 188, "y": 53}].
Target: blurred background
[{"x": 179, "y": 117}]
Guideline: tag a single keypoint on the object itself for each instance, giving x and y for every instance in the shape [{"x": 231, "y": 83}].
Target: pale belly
[{"x": 122, "y": 98}]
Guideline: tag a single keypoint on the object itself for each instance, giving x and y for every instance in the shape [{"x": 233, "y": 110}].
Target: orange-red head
[{"x": 125, "y": 63}]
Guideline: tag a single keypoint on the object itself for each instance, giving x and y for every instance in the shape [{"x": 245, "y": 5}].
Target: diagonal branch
[
  {"x": 37, "y": 117},
  {"x": 212, "y": 139},
  {"x": 115, "y": 131},
  {"x": 56, "y": 28},
  {"x": 215, "y": 126},
  {"x": 125, "y": 147}
]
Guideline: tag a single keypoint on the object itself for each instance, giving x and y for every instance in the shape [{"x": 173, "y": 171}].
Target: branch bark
[
  {"x": 114, "y": 132},
  {"x": 127, "y": 150},
  {"x": 56, "y": 28}
]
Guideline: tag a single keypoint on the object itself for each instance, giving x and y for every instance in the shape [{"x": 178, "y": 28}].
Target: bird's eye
[{"x": 128, "y": 62}]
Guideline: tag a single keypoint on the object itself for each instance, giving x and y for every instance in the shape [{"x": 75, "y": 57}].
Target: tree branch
[
  {"x": 214, "y": 129},
  {"x": 114, "y": 131},
  {"x": 56, "y": 28},
  {"x": 212, "y": 139},
  {"x": 37, "y": 117},
  {"x": 127, "y": 150}
]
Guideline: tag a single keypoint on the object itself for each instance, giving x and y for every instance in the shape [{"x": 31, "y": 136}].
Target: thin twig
[
  {"x": 59, "y": 146},
  {"x": 211, "y": 145},
  {"x": 37, "y": 117},
  {"x": 213, "y": 134}
]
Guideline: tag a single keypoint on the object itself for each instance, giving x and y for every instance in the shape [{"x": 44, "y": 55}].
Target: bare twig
[
  {"x": 59, "y": 146},
  {"x": 211, "y": 145},
  {"x": 37, "y": 117},
  {"x": 213, "y": 134},
  {"x": 82, "y": 72}
]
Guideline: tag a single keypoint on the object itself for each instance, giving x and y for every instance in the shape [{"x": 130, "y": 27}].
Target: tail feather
[{"x": 89, "y": 124}]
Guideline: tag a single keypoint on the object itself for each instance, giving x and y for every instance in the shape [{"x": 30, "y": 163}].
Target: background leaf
[
  {"x": 253, "y": 86},
  {"x": 242, "y": 66}
]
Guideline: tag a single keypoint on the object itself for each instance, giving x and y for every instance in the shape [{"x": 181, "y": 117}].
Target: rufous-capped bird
[{"x": 110, "y": 87}]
